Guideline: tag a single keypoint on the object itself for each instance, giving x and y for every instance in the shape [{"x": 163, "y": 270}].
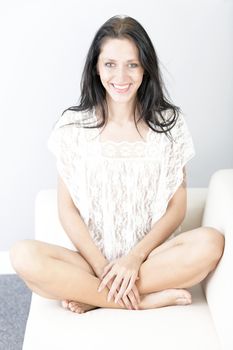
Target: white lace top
[{"x": 120, "y": 188}]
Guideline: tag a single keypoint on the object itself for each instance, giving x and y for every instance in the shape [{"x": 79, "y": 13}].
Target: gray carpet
[{"x": 15, "y": 299}]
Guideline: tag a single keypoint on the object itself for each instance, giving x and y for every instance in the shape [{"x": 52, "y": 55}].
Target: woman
[{"x": 121, "y": 191}]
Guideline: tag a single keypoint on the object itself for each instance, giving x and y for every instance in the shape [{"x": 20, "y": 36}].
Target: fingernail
[
  {"x": 116, "y": 300},
  {"x": 99, "y": 289},
  {"x": 109, "y": 298}
]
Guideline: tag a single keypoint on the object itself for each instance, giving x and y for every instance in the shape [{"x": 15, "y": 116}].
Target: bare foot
[
  {"x": 77, "y": 306},
  {"x": 165, "y": 298}
]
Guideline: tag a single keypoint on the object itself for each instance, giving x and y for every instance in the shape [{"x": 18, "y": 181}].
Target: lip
[{"x": 121, "y": 91}]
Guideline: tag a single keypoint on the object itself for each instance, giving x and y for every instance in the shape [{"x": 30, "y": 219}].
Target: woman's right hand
[{"x": 130, "y": 301}]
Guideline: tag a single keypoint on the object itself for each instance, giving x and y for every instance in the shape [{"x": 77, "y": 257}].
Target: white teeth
[{"x": 121, "y": 87}]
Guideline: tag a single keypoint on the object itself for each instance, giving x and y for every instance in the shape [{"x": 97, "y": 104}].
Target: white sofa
[{"x": 205, "y": 324}]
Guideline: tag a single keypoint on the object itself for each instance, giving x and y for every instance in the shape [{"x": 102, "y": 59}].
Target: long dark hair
[{"x": 151, "y": 101}]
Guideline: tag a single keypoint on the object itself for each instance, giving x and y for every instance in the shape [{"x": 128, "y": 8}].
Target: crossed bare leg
[
  {"x": 148, "y": 301},
  {"x": 58, "y": 273}
]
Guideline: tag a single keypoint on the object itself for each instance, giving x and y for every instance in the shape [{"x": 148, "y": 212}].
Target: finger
[
  {"x": 105, "y": 281},
  {"x": 133, "y": 300},
  {"x": 127, "y": 302},
  {"x": 120, "y": 301},
  {"x": 107, "y": 269},
  {"x": 123, "y": 288},
  {"x": 115, "y": 285},
  {"x": 136, "y": 293},
  {"x": 130, "y": 286}
]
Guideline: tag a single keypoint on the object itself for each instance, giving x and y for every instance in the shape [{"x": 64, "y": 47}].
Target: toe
[
  {"x": 181, "y": 294},
  {"x": 183, "y": 301},
  {"x": 79, "y": 310},
  {"x": 187, "y": 295},
  {"x": 71, "y": 306},
  {"x": 75, "y": 307},
  {"x": 65, "y": 303},
  {"x": 184, "y": 297}
]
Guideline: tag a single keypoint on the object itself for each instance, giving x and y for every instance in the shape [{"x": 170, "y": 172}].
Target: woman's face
[{"x": 119, "y": 68}]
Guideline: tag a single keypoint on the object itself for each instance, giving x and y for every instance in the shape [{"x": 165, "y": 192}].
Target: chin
[{"x": 121, "y": 98}]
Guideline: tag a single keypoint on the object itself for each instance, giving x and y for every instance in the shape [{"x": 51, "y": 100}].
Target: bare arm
[
  {"x": 168, "y": 223},
  {"x": 77, "y": 230}
]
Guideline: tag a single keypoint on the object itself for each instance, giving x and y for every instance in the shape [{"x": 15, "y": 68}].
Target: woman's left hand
[{"x": 126, "y": 271}]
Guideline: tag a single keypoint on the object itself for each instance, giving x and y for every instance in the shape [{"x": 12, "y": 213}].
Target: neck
[{"x": 121, "y": 113}]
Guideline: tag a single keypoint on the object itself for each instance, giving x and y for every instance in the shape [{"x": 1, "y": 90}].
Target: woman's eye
[
  {"x": 133, "y": 65},
  {"x": 108, "y": 64}
]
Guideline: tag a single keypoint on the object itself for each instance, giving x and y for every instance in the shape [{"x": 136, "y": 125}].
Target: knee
[
  {"x": 23, "y": 256},
  {"x": 213, "y": 242}
]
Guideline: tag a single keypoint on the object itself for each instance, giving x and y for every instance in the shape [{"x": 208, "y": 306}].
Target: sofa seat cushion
[{"x": 190, "y": 327}]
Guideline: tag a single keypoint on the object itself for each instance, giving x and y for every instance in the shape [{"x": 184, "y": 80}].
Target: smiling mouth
[{"x": 121, "y": 88}]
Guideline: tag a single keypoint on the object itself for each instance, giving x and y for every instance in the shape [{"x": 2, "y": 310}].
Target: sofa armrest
[
  {"x": 196, "y": 198},
  {"x": 47, "y": 224},
  {"x": 218, "y": 285}
]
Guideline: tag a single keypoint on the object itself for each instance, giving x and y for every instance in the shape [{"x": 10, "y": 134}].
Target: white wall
[{"x": 43, "y": 48}]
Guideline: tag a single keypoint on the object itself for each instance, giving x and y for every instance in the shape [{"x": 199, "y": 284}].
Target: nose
[{"x": 121, "y": 75}]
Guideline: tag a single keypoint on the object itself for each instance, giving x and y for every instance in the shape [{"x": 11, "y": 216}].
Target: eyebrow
[{"x": 111, "y": 59}]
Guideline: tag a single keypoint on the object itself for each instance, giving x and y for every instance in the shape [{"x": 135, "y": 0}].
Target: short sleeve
[
  {"x": 180, "y": 151},
  {"x": 183, "y": 149},
  {"x": 63, "y": 144},
  {"x": 176, "y": 153}
]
